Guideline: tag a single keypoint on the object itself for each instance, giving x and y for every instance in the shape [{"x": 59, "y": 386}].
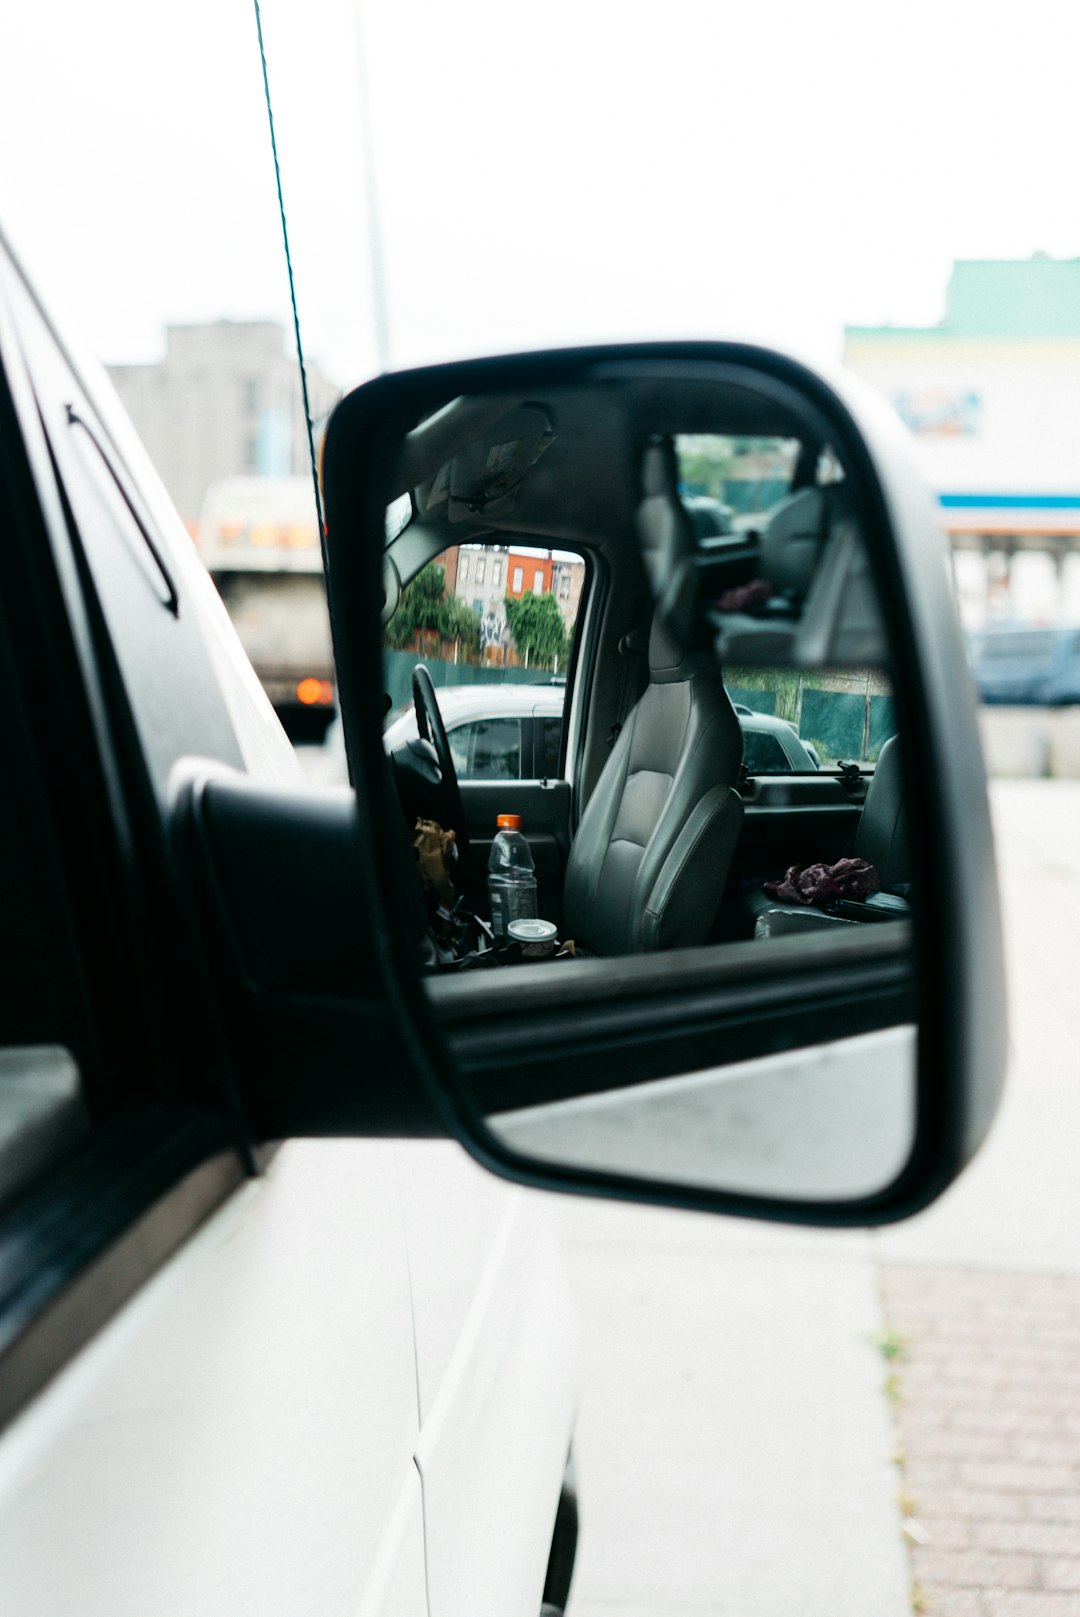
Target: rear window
[
  {"x": 552, "y": 747},
  {"x": 727, "y": 477},
  {"x": 487, "y": 749},
  {"x": 838, "y": 716},
  {"x": 763, "y": 754}
]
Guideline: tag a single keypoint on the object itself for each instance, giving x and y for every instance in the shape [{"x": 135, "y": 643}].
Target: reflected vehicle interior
[
  {"x": 723, "y": 578},
  {"x": 723, "y": 772}
]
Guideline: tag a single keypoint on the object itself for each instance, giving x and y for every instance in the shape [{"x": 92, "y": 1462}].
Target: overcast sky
[{"x": 547, "y": 172}]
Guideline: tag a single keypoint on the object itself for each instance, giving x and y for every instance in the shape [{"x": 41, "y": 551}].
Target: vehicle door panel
[
  {"x": 496, "y": 1435},
  {"x": 794, "y": 819},
  {"x": 239, "y": 1437},
  {"x": 447, "y": 1256},
  {"x": 397, "y": 1586},
  {"x": 544, "y": 807}
]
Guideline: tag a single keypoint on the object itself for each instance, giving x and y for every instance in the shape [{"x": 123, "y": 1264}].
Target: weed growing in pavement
[{"x": 892, "y": 1346}]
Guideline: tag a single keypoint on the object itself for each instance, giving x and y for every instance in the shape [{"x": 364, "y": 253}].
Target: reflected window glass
[
  {"x": 763, "y": 754},
  {"x": 552, "y": 746},
  {"x": 493, "y": 748},
  {"x": 830, "y": 716}
]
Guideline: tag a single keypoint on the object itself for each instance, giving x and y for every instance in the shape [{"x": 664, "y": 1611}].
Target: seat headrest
[
  {"x": 791, "y": 544},
  {"x": 660, "y": 468},
  {"x": 669, "y": 661},
  {"x": 668, "y": 550}
]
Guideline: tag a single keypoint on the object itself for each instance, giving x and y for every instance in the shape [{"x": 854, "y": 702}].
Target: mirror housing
[{"x": 373, "y": 456}]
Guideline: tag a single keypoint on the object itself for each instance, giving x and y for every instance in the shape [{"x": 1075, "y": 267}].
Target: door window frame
[
  {"x": 575, "y": 691},
  {"x": 117, "y": 1202}
]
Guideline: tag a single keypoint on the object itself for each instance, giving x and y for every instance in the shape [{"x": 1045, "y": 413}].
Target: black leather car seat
[
  {"x": 651, "y": 855},
  {"x": 882, "y": 838}
]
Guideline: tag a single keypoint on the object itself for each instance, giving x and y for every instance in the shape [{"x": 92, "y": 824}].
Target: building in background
[
  {"x": 224, "y": 402},
  {"x": 529, "y": 572},
  {"x": 992, "y": 395},
  {"x": 484, "y": 575},
  {"x": 568, "y": 576},
  {"x": 481, "y": 575}
]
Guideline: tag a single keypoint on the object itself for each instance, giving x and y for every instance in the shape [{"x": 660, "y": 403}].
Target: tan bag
[{"x": 435, "y": 858}]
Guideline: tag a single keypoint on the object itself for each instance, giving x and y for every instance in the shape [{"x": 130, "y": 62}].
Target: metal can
[{"x": 536, "y": 939}]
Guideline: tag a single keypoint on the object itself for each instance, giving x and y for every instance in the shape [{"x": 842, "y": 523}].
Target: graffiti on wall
[{"x": 940, "y": 412}]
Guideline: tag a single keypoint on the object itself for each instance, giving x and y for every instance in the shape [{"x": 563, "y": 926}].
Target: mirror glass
[{"x": 646, "y": 733}]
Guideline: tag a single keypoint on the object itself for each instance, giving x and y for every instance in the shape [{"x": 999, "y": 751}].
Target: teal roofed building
[
  {"x": 992, "y": 396},
  {"x": 1001, "y": 297}
]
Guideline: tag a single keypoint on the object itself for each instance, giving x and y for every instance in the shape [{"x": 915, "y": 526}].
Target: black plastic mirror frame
[{"x": 961, "y": 1022}]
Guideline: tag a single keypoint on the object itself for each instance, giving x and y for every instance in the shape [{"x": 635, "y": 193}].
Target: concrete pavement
[
  {"x": 737, "y": 1450},
  {"x": 983, "y": 1290},
  {"x": 1018, "y": 1205},
  {"x": 734, "y": 1444}
]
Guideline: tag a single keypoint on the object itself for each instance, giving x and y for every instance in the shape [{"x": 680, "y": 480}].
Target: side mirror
[{"x": 785, "y": 996}]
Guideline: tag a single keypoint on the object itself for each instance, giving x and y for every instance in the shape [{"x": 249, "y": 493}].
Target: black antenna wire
[{"x": 292, "y": 289}]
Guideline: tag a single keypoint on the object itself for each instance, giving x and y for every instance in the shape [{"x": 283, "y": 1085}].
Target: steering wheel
[{"x": 449, "y": 810}]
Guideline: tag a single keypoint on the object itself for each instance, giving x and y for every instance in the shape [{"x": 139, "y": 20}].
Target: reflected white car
[{"x": 514, "y": 732}]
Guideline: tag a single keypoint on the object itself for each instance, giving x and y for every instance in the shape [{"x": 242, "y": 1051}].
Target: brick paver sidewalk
[{"x": 988, "y": 1384}]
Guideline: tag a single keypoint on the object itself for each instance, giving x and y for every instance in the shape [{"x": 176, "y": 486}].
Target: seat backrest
[
  {"x": 651, "y": 855},
  {"x": 648, "y": 864},
  {"x": 882, "y": 834},
  {"x": 792, "y": 542},
  {"x": 668, "y": 541}
]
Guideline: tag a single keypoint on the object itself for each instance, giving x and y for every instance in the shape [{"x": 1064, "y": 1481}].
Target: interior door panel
[
  {"x": 550, "y": 1033},
  {"x": 795, "y": 819},
  {"x": 544, "y": 807}
]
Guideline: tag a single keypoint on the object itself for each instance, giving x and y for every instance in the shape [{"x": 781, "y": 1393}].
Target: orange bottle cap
[{"x": 509, "y": 822}]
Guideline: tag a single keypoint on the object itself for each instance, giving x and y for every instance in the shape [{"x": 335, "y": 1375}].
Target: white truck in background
[{"x": 258, "y": 538}]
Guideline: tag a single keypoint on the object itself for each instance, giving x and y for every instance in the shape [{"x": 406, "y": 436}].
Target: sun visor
[{"x": 486, "y": 474}]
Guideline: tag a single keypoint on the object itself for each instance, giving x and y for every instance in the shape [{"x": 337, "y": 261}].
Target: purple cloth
[
  {"x": 746, "y": 597},
  {"x": 816, "y": 884}
]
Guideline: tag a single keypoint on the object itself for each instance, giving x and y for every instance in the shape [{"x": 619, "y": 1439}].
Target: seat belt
[{"x": 634, "y": 651}]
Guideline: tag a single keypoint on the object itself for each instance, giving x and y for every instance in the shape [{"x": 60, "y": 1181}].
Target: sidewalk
[
  {"x": 734, "y": 1443},
  {"x": 983, "y": 1291},
  {"x": 989, "y": 1411},
  {"x": 737, "y": 1452}
]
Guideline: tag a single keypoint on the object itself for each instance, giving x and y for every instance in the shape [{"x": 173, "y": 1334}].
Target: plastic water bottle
[{"x": 511, "y": 876}]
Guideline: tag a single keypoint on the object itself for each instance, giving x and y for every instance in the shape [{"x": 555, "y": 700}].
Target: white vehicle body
[
  {"x": 353, "y": 1387},
  {"x": 344, "y": 1383}
]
